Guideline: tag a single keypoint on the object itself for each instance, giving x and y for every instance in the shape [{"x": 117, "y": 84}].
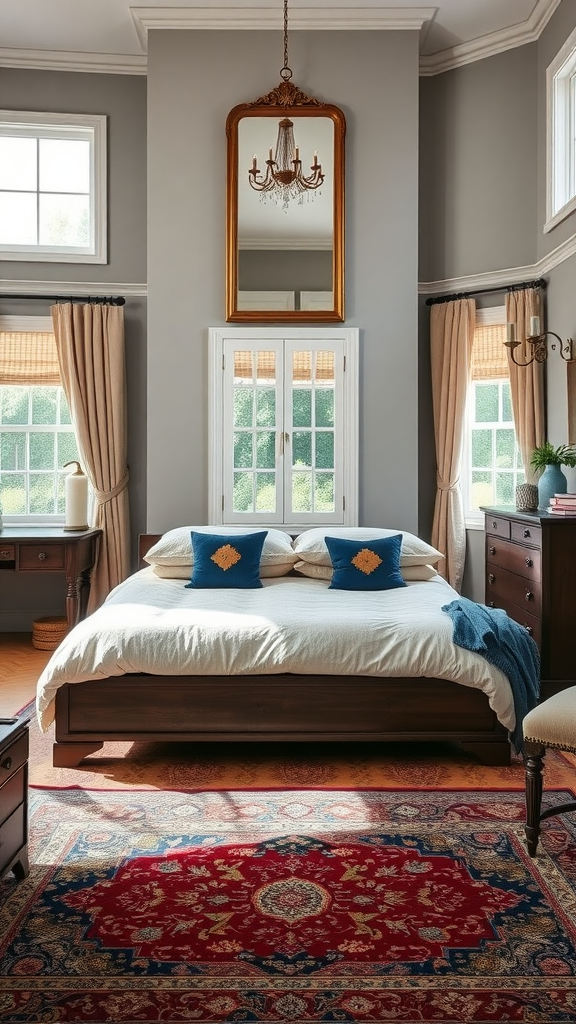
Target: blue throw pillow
[
  {"x": 367, "y": 564},
  {"x": 226, "y": 561}
]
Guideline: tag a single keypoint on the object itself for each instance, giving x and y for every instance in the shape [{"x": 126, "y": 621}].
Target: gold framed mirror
[{"x": 285, "y": 214}]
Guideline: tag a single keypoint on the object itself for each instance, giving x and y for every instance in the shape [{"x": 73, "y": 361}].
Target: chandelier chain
[{"x": 286, "y": 72}]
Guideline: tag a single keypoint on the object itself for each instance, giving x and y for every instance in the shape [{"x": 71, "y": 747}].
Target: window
[
  {"x": 52, "y": 187},
  {"x": 36, "y": 433},
  {"x": 284, "y": 432},
  {"x": 561, "y": 134},
  {"x": 492, "y": 463}
]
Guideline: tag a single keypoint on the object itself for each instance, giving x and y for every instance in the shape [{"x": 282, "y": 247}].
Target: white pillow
[
  {"x": 184, "y": 572},
  {"x": 310, "y": 545},
  {"x": 175, "y": 547},
  {"x": 324, "y": 572}
]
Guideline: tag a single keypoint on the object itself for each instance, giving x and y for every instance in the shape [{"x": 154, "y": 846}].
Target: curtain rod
[
  {"x": 112, "y": 300},
  {"x": 540, "y": 283}
]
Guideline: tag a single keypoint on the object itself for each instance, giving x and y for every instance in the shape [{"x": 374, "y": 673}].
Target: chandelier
[{"x": 284, "y": 178}]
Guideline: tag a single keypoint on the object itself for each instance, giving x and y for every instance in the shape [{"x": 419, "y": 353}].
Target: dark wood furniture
[
  {"x": 273, "y": 708},
  {"x": 530, "y": 573},
  {"x": 54, "y": 549},
  {"x": 14, "y": 797}
]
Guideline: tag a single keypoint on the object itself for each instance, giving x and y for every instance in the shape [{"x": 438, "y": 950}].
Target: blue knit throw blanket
[{"x": 505, "y": 644}]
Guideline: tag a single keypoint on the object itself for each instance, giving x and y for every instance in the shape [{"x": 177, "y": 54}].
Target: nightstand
[{"x": 14, "y": 797}]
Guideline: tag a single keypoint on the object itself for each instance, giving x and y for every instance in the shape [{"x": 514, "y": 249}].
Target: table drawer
[
  {"x": 13, "y": 836},
  {"x": 7, "y": 552},
  {"x": 526, "y": 534},
  {"x": 504, "y": 587},
  {"x": 531, "y": 622},
  {"x": 498, "y": 526},
  {"x": 505, "y": 555},
  {"x": 13, "y": 793},
  {"x": 13, "y": 756},
  {"x": 41, "y": 556}
]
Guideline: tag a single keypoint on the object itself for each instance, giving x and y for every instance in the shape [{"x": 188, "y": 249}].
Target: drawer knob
[
  {"x": 529, "y": 595},
  {"x": 526, "y": 532},
  {"x": 491, "y": 604},
  {"x": 491, "y": 577},
  {"x": 492, "y": 549},
  {"x": 7, "y": 763},
  {"x": 529, "y": 563},
  {"x": 42, "y": 556},
  {"x": 6, "y": 553},
  {"x": 494, "y": 524},
  {"x": 528, "y": 629}
]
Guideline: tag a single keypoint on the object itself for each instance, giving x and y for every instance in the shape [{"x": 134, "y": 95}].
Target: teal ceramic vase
[{"x": 551, "y": 482}]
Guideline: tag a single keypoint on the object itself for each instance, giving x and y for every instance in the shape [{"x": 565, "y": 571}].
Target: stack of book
[{"x": 563, "y": 504}]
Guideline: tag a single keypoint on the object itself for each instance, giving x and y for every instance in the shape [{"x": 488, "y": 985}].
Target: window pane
[
  {"x": 482, "y": 490},
  {"x": 64, "y": 410},
  {"x": 18, "y": 163},
  {"x": 42, "y": 494},
  {"x": 13, "y": 491},
  {"x": 486, "y": 403},
  {"x": 504, "y": 489},
  {"x": 324, "y": 492},
  {"x": 14, "y": 405},
  {"x": 324, "y": 366},
  {"x": 302, "y": 407},
  {"x": 243, "y": 500},
  {"x": 325, "y": 407},
  {"x": 64, "y": 220},
  {"x": 505, "y": 446},
  {"x": 481, "y": 448},
  {"x": 61, "y": 502},
  {"x": 42, "y": 451},
  {"x": 302, "y": 448},
  {"x": 302, "y": 492},
  {"x": 18, "y": 224},
  {"x": 301, "y": 366},
  {"x": 67, "y": 448},
  {"x": 265, "y": 407},
  {"x": 64, "y": 165},
  {"x": 12, "y": 450},
  {"x": 243, "y": 449},
  {"x": 507, "y": 415},
  {"x": 44, "y": 405},
  {"x": 325, "y": 450},
  {"x": 243, "y": 404},
  {"x": 265, "y": 492},
  {"x": 265, "y": 449}
]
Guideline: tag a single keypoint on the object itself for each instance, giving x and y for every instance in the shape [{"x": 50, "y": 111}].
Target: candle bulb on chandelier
[
  {"x": 510, "y": 331},
  {"x": 534, "y": 326}
]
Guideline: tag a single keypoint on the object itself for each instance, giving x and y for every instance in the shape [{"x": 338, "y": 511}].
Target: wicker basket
[{"x": 49, "y": 631}]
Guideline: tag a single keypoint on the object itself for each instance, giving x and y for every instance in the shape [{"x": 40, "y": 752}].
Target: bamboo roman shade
[
  {"x": 28, "y": 357},
  {"x": 489, "y": 359},
  {"x": 266, "y": 365}
]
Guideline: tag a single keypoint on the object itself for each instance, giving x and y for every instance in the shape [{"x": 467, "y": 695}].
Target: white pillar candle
[
  {"x": 510, "y": 331},
  {"x": 534, "y": 326},
  {"x": 76, "y": 499}
]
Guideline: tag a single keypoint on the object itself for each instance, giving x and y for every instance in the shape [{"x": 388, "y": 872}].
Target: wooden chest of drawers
[
  {"x": 531, "y": 574},
  {"x": 13, "y": 797}
]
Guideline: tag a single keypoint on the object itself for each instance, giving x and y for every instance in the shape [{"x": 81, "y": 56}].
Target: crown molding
[
  {"x": 63, "y": 60},
  {"x": 31, "y": 288},
  {"x": 501, "y": 278},
  {"x": 528, "y": 31}
]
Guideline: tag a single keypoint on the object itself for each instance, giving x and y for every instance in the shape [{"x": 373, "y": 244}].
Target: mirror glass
[{"x": 285, "y": 257}]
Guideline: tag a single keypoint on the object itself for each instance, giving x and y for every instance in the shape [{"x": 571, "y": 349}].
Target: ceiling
[{"x": 111, "y": 35}]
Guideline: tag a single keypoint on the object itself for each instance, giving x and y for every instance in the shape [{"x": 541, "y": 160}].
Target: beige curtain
[
  {"x": 90, "y": 344},
  {"x": 526, "y": 382},
  {"x": 451, "y": 335}
]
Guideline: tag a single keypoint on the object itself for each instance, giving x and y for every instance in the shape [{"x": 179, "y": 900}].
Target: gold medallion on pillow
[
  {"x": 225, "y": 557},
  {"x": 366, "y": 561}
]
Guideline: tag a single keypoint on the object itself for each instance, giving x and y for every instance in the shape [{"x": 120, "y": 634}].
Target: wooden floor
[{"x": 20, "y": 666}]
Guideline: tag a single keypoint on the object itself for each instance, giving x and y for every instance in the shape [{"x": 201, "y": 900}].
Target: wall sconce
[{"x": 537, "y": 340}]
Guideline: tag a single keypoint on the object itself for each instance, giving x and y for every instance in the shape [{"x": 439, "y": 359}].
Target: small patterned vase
[
  {"x": 551, "y": 482},
  {"x": 527, "y": 497}
]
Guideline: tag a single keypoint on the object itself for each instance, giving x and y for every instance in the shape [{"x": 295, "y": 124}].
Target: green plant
[{"x": 547, "y": 455}]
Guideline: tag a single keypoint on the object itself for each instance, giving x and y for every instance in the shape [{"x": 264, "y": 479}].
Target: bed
[{"x": 320, "y": 665}]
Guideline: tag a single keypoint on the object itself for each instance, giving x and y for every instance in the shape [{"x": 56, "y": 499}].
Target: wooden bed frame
[{"x": 273, "y": 708}]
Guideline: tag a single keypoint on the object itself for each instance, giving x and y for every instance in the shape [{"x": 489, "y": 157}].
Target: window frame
[
  {"x": 346, "y": 452},
  {"x": 92, "y": 127},
  {"x": 31, "y": 323},
  {"x": 561, "y": 135}
]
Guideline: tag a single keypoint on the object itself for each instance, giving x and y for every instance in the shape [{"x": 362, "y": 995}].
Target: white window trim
[
  {"x": 349, "y": 336},
  {"x": 97, "y": 251},
  {"x": 560, "y": 157}
]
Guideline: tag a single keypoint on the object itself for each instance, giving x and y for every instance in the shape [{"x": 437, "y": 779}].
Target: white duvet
[{"x": 148, "y": 624}]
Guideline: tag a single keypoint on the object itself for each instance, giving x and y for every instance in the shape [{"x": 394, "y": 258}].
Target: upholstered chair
[{"x": 551, "y": 725}]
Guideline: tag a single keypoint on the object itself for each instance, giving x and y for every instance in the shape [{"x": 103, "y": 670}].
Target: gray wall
[
  {"x": 307, "y": 270},
  {"x": 373, "y": 77}
]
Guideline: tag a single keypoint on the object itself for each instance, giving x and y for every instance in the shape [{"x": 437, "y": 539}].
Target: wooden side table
[
  {"x": 53, "y": 549},
  {"x": 14, "y": 797}
]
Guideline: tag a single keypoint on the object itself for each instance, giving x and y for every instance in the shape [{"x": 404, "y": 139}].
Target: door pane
[
  {"x": 324, "y": 492},
  {"x": 302, "y": 492},
  {"x": 265, "y": 449},
  {"x": 265, "y": 492},
  {"x": 302, "y": 448},
  {"x": 243, "y": 500},
  {"x": 325, "y": 450},
  {"x": 243, "y": 450}
]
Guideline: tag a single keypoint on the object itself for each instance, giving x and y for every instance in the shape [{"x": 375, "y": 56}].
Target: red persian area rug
[{"x": 361, "y": 907}]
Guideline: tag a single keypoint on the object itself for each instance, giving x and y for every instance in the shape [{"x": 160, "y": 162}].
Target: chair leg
[{"x": 533, "y": 765}]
